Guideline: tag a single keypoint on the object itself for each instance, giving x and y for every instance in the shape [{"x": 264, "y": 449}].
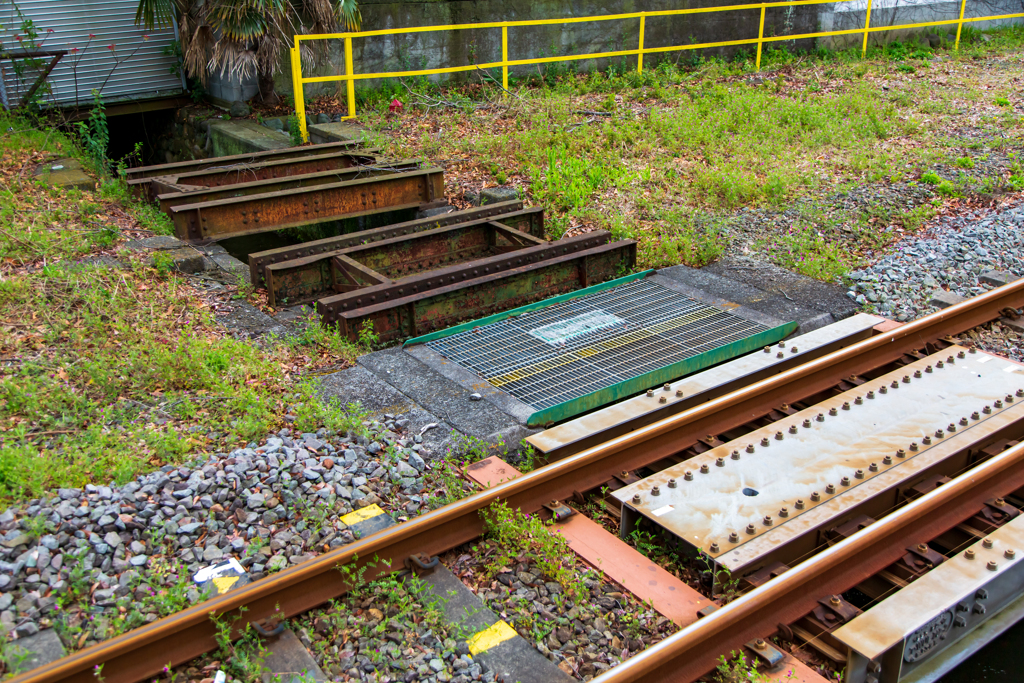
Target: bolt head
[
  {"x": 734, "y": 537},
  {"x": 767, "y": 520},
  {"x": 833, "y": 412},
  {"x": 679, "y": 392},
  {"x": 887, "y": 460},
  {"x": 720, "y": 462},
  {"x": 636, "y": 498},
  {"x": 672, "y": 483},
  {"x": 969, "y": 553},
  {"x": 751, "y": 529},
  {"x": 650, "y": 392},
  {"x": 807, "y": 423},
  {"x": 873, "y": 467},
  {"x": 655, "y": 491},
  {"x": 799, "y": 505},
  {"x": 820, "y": 418},
  {"x": 1009, "y": 553},
  {"x": 688, "y": 475},
  {"x": 662, "y": 400},
  {"x": 988, "y": 542},
  {"x": 704, "y": 469},
  {"x": 667, "y": 387},
  {"x": 750, "y": 448},
  {"x": 778, "y": 436},
  {"x": 961, "y": 355},
  {"x": 815, "y": 496},
  {"x": 846, "y": 405},
  {"x": 830, "y": 488},
  {"x": 764, "y": 441},
  {"x": 784, "y": 512},
  {"x": 845, "y": 481},
  {"x": 735, "y": 455},
  {"x": 992, "y": 565},
  {"x": 713, "y": 547}
]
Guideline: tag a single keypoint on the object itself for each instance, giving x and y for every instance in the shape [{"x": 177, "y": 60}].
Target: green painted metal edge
[
  {"x": 527, "y": 308},
  {"x": 669, "y": 373}
]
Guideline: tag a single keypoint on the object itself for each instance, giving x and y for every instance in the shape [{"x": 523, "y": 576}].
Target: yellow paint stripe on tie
[
  {"x": 494, "y": 634},
  {"x": 368, "y": 512}
]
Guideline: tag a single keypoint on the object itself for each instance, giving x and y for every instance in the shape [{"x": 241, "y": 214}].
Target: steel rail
[
  {"x": 692, "y": 652},
  {"x": 179, "y": 638}
]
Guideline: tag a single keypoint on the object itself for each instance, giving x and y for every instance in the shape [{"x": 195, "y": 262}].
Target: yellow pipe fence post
[
  {"x": 960, "y": 24},
  {"x": 640, "y": 54},
  {"x": 760, "y": 38},
  {"x": 867, "y": 26},
  {"x": 351, "y": 85},
  {"x": 504, "y": 59},
  {"x": 300, "y": 104}
]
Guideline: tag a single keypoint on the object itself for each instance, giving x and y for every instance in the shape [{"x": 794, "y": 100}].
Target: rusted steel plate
[
  {"x": 169, "y": 195},
  {"x": 309, "y": 278},
  {"x": 145, "y": 651},
  {"x": 439, "y": 299},
  {"x": 138, "y": 178},
  {"x": 234, "y": 174},
  {"x": 765, "y": 496},
  {"x": 512, "y": 213},
  {"x": 301, "y": 206}
]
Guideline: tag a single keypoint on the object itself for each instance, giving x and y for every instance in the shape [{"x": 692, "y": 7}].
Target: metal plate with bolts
[
  {"x": 763, "y": 497},
  {"x": 575, "y": 435},
  {"x": 901, "y": 634},
  {"x": 576, "y": 355}
]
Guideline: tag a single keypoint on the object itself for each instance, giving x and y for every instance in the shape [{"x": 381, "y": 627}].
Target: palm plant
[{"x": 243, "y": 37}]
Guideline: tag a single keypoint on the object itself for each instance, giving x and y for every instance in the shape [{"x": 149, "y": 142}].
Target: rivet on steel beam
[
  {"x": 799, "y": 504},
  {"x": 767, "y": 349},
  {"x": 779, "y": 436},
  {"x": 998, "y": 404},
  {"x": 688, "y": 475},
  {"x": 926, "y": 440},
  {"x": 650, "y": 392},
  {"x": 734, "y": 537},
  {"x": 871, "y": 394},
  {"x": 704, "y": 469},
  {"x": 735, "y": 455},
  {"x": 636, "y": 498},
  {"x": 679, "y": 393},
  {"x": 793, "y": 429},
  {"x": 975, "y": 416},
  {"x": 951, "y": 428},
  {"x": 767, "y": 520},
  {"x": 655, "y": 491},
  {"x": 720, "y": 462},
  {"x": 992, "y": 565},
  {"x": 713, "y": 547},
  {"x": 887, "y": 460},
  {"x": 784, "y": 512},
  {"x": 667, "y": 387},
  {"x": 815, "y": 497},
  {"x": 662, "y": 400},
  {"x": 883, "y": 390},
  {"x": 780, "y": 354},
  {"x": 873, "y": 467},
  {"x": 988, "y": 542},
  {"x": 833, "y": 412},
  {"x": 939, "y": 433},
  {"x": 972, "y": 350},
  {"x": 820, "y": 418},
  {"x": 846, "y": 405},
  {"x": 961, "y": 355},
  {"x": 987, "y": 410},
  {"x": 940, "y": 365},
  {"x": 764, "y": 441},
  {"x": 928, "y": 368},
  {"x": 807, "y": 423},
  {"x": 782, "y": 344},
  {"x": 830, "y": 488},
  {"x": 672, "y": 483},
  {"x": 751, "y": 529},
  {"x": 1009, "y": 553},
  {"x": 913, "y": 447},
  {"x": 794, "y": 350},
  {"x": 964, "y": 422},
  {"x": 906, "y": 379},
  {"x": 969, "y": 553},
  {"x": 859, "y": 400},
  {"x": 750, "y": 448},
  {"x": 895, "y": 384}
]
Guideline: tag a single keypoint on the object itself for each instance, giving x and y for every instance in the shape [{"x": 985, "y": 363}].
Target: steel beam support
[
  {"x": 235, "y": 174},
  {"x": 238, "y": 216},
  {"x": 511, "y": 213},
  {"x": 129, "y": 658}
]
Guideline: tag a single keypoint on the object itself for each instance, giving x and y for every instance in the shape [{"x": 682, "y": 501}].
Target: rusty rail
[
  {"x": 234, "y": 174},
  {"x": 509, "y": 213},
  {"x": 143, "y": 652},
  {"x": 236, "y": 216}
]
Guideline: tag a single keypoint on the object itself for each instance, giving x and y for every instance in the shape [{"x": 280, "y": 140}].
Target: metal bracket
[
  {"x": 764, "y": 651},
  {"x": 421, "y": 563},
  {"x": 559, "y": 511},
  {"x": 271, "y": 632}
]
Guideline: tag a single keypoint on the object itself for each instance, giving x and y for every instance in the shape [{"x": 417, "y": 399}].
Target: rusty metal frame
[
  {"x": 439, "y": 298},
  {"x": 237, "y": 216},
  {"x": 170, "y": 194},
  {"x": 305, "y": 279},
  {"x": 532, "y": 220},
  {"x": 235, "y": 174},
  {"x": 179, "y": 638}
]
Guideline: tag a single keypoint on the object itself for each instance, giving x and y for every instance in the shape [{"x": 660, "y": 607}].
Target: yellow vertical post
[
  {"x": 960, "y": 24},
  {"x": 300, "y": 103},
  {"x": 760, "y": 37},
  {"x": 867, "y": 26},
  {"x": 640, "y": 56},
  {"x": 504, "y": 57},
  {"x": 351, "y": 84}
]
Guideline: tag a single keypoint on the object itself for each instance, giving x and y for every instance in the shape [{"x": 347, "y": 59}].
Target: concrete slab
[
  {"x": 335, "y": 132},
  {"x": 794, "y": 287},
  {"x": 997, "y": 278},
  {"x": 444, "y": 397},
  {"x": 65, "y": 173},
  {"x": 239, "y": 137},
  {"x": 229, "y": 264},
  {"x": 32, "y": 652},
  {"x": 246, "y": 321},
  {"x": 943, "y": 299},
  {"x": 1014, "y": 324},
  {"x": 158, "y": 242},
  {"x": 288, "y": 661},
  {"x": 743, "y": 299}
]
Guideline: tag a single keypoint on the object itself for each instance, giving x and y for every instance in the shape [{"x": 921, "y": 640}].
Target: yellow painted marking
[
  {"x": 224, "y": 583},
  {"x": 494, "y": 634},
  {"x": 368, "y": 512}
]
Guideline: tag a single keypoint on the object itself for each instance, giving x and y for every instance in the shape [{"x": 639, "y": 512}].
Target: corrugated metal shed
[{"x": 144, "y": 70}]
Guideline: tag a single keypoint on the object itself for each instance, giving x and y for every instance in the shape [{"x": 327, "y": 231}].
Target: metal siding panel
[{"x": 143, "y": 70}]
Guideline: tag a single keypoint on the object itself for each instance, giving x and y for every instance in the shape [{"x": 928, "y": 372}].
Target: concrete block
[
  {"x": 1015, "y": 325},
  {"x": 231, "y": 265},
  {"x": 436, "y": 211},
  {"x": 997, "y": 278},
  {"x": 185, "y": 260},
  {"x": 240, "y": 137},
  {"x": 65, "y": 173},
  {"x": 289, "y": 661},
  {"x": 36, "y": 650},
  {"x": 157, "y": 242},
  {"x": 943, "y": 299},
  {"x": 494, "y": 195},
  {"x": 335, "y": 132}
]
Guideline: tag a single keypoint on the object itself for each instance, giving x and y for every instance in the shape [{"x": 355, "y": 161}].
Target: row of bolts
[{"x": 845, "y": 481}]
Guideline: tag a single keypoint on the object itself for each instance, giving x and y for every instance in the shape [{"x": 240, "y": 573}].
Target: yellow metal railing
[{"x": 350, "y": 77}]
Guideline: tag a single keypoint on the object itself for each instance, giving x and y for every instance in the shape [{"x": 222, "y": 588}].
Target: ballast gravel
[{"x": 98, "y": 561}]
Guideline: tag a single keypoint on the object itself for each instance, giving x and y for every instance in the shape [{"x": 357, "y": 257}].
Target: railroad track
[{"x": 973, "y": 483}]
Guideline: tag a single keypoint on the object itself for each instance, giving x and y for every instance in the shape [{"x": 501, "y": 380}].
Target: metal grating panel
[{"x": 570, "y": 349}]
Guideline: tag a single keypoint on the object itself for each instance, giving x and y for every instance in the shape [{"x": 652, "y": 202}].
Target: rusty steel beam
[
  {"x": 309, "y": 278},
  {"x": 510, "y": 213},
  {"x": 440, "y": 298},
  {"x": 692, "y": 652},
  {"x": 234, "y": 174},
  {"x": 179, "y": 638},
  {"x": 238, "y": 216},
  {"x": 174, "y": 194}
]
